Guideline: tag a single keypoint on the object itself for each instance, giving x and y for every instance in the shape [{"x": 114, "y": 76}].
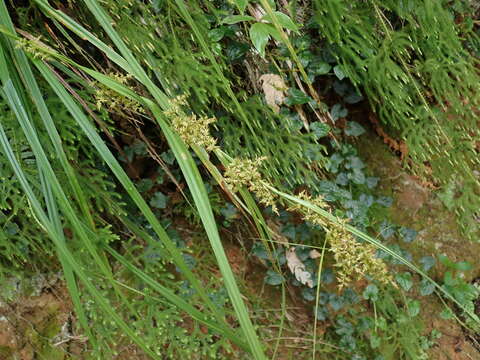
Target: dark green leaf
[
  {"x": 322, "y": 313},
  {"x": 408, "y": 235},
  {"x": 319, "y": 68},
  {"x": 354, "y": 129},
  {"x": 353, "y": 98},
  {"x": 320, "y": 129},
  {"x": 236, "y": 50},
  {"x": 260, "y": 34},
  {"x": 372, "y": 182},
  {"x": 404, "y": 280},
  {"x": 427, "y": 262},
  {"x": 259, "y": 250},
  {"x": 426, "y": 287},
  {"x": 308, "y": 294},
  {"x": 370, "y": 292},
  {"x": 375, "y": 341},
  {"x": 413, "y": 307},
  {"x": 338, "y": 70},
  {"x": 338, "y": 111},
  {"x": 273, "y": 278},
  {"x": 386, "y": 201},
  {"x": 144, "y": 185},
  {"x": 446, "y": 314},
  {"x": 217, "y": 34},
  {"x": 296, "y": 97},
  {"x": 159, "y": 200}
]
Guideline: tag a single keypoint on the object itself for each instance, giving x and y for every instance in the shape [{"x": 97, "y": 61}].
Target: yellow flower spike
[{"x": 244, "y": 172}]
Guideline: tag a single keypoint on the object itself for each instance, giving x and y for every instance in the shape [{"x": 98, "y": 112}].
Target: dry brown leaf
[
  {"x": 274, "y": 88},
  {"x": 298, "y": 268},
  {"x": 314, "y": 254}
]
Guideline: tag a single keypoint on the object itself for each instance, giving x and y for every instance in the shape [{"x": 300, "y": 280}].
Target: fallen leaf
[
  {"x": 274, "y": 88},
  {"x": 314, "y": 254},
  {"x": 298, "y": 268}
]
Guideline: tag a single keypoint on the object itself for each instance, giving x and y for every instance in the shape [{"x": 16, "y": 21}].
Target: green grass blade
[
  {"x": 128, "y": 185},
  {"x": 57, "y": 238}
]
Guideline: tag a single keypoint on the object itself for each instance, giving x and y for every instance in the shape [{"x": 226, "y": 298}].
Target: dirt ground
[{"x": 417, "y": 207}]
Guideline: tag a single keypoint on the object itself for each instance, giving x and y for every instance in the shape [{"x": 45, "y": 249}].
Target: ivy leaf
[
  {"x": 342, "y": 179},
  {"x": 370, "y": 292},
  {"x": 283, "y": 19},
  {"x": 234, "y": 19},
  {"x": 353, "y": 98},
  {"x": 427, "y": 262},
  {"x": 260, "y": 34},
  {"x": 308, "y": 294},
  {"x": 274, "y": 278},
  {"x": 374, "y": 341},
  {"x": 413, "y": 307},
  {"x": 355, "y": 163},
  {"x": 446, "y": 314},
  {"x": 319, "y": 68},
  {"x": 229, "y": 211},
  {"x": 320, "y": 129},
  {"x": 354, "y": 129},
  {"x": 159, "y": 200},
  {"x": 338, "y": 111},
  {"x": 338, "y": 70},
  {"x": 336, "y": 302},
  {"x": 404, "y": 280},
  {"x": 322, "y": 313},
  {"x": 297, "y": 97},
  {"x": 259, "y": 251},
  {"x": 168, "y": 157},
  {"x": 408, "y": 235},
  {"x": 144, "y": 185},
  {"x": 357, "y": 176},
  {"x": 386, "y": 201},
  {"x": 327, "y": 276},
  {"x": 426, "y": 287},
  {"x": 372, "y": 182},
  {"x": 386, "y": 229}
]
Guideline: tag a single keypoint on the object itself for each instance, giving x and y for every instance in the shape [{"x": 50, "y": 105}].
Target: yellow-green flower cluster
[
  {"x": 244, "y": 172},
  {"x": 308, "y": 214},
  {"x": 105, "y": 96},
  {"x": 192, "y": 129},
  {"x": 354, "y": 259},
  {"x": 33, "y": 48}
]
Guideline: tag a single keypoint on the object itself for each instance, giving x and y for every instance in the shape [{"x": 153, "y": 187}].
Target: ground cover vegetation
[{"x": 218, "y": 179}]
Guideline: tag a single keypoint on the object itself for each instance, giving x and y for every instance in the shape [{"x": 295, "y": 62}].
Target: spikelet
[
  {"x": 353, "y": 259},
  {"x": 105, "y": 96},
  {"x": 244, "y": 172},
  {"x": 192, "y": 129},
  {"x": 33, "y": 48}
]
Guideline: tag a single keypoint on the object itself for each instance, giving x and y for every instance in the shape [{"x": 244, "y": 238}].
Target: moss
[
  {"x": 5, "y": 352},
  {"x": 418, "y": 208}
]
